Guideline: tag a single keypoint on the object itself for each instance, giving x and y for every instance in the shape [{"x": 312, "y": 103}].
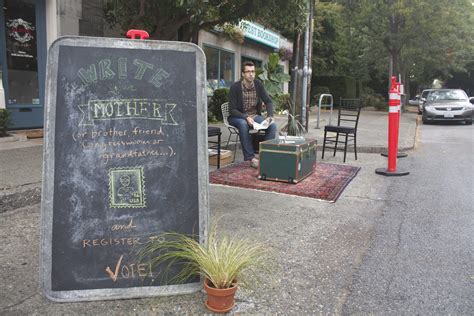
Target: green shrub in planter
[
  {"x": 214, "y": 109},
  {"x": 280, "y": 102},
  {"x": 5, "y": 120}
]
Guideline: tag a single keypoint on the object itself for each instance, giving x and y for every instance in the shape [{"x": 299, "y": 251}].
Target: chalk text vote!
[{"x": 129, "y": 270}]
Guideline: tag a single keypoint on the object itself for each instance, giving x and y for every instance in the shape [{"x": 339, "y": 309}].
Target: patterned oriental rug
[{"x": 326, "y": 183}]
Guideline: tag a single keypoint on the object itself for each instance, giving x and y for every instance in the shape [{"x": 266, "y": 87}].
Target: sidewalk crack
[
  {"x": 20, "y": 186},
  {"x": 396, "y": 253},
  {"x": 374, "y": 199},
  {"x": 19, "y": 302}
]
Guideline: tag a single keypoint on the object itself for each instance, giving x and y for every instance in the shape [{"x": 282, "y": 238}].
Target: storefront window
[
  {"x": 22, "y": 59},
  {"x": 219, "y": 68},
  {"x": 226, "y": 75}
]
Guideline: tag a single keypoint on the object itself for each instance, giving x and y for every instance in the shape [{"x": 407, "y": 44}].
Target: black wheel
[
  {"x": 468, "y": 122},
  {"x": 290, "y": 180}
]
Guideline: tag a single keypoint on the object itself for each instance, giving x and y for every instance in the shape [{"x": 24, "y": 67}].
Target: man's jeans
[{"x": 246, "y": 138}]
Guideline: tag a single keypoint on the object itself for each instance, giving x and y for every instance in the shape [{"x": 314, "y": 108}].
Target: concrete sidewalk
[
  {"x": 21, "y": 158},
  {"x": 317, "y": 246},
  {"x": 372, "y": 133}
]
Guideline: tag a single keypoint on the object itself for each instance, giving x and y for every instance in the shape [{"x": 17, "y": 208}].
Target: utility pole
[
  {"x": 310, "y": 29},
  {"x": 304, "y": 85},
  {"x": 301, "y": 72}
]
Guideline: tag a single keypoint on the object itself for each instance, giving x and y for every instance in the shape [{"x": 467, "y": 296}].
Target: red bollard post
[
  {"x": 393, "y": 121},
  {"x": 399, "y": 91},
  {"x": 397, "y": 122}
]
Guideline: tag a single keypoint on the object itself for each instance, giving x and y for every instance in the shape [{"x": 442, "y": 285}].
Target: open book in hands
[{"x": 264, "y": 125}]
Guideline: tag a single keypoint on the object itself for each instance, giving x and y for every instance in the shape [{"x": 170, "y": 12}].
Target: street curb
[
  {"x": 417, "y": 131},
  {"x": 368, "y": 149},
  {"x": 13, "y": 138},
  {"x": 25, "y": 195}
]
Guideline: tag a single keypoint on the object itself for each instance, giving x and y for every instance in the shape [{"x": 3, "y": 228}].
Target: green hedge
[
  {"x": 316, "y": 93},
  {"x": 5, "y": 121},
  {"x": 358, "y": 89},
  {"x": 220, "y": 96},
  {"x": 370, "y": 98},
  {"x": 339, "y": 86}
]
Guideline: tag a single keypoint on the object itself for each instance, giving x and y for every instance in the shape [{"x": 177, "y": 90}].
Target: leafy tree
[
  {"x": 331, "y": 41},
  {"x": 165, "y": 19},
  {"x": 288, "y": 17},
  {"x": 422, "y": 38}
]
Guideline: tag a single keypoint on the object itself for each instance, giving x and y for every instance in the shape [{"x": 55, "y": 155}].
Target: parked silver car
[{"x": 448, "y": 104}]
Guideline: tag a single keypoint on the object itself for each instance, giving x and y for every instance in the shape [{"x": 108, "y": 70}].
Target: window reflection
[
  {"x": 219, "y": 68},
  {"x": 227, "y": 69}
]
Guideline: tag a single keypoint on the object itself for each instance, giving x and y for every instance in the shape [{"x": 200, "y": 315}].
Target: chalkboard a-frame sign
[{"x": 125, "y": 158}]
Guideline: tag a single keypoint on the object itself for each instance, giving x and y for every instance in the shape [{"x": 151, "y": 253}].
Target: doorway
[{"x": 23, "y": 59}]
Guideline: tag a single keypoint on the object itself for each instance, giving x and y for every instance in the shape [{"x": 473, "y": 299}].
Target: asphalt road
[{"x": 421, "y": 257}]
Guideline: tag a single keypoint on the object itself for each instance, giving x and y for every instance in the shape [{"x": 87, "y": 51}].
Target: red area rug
[{"x": 326, "y": 183}]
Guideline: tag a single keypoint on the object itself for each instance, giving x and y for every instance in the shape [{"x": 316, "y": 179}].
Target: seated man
[{"x": 245, "y": 108}]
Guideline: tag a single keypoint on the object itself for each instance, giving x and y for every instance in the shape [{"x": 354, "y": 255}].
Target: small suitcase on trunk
[{"x": 289, "y": 160}]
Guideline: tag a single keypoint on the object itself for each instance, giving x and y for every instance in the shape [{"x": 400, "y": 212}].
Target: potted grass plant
[{"x": 224, "y": 263}]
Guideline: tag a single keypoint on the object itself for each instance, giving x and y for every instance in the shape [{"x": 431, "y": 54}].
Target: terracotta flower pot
[{"x": 219, "y": 300}]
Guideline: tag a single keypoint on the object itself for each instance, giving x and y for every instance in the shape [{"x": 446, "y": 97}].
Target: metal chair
[
  {"x": 347, "y": 121},
  {"x": 232, "y": 129}
]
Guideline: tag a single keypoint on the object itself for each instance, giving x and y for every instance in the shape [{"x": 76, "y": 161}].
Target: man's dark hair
[{"x": 247, "y": 64}]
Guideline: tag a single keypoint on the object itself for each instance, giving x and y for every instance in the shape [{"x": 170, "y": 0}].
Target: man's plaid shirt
[{"x": 249, "y": 99}]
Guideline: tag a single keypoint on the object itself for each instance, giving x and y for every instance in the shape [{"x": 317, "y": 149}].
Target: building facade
[{"x": 28, "y": 27}]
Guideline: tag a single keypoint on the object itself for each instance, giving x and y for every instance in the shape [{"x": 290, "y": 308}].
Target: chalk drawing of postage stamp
[{"x": 127, "y": 187}]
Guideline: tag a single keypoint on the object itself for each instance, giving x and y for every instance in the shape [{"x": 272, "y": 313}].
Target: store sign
[
  {"x": 258, "y": 33},
  {"x": 20, "y": 30}
]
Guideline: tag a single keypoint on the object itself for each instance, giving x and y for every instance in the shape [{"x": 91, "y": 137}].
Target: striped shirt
[{"x": 249, "y": 99}]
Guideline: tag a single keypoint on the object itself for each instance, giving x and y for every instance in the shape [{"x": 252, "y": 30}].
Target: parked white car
[
  {"x": 423, "y": 98},
  {"x": 415, "y": 100}
]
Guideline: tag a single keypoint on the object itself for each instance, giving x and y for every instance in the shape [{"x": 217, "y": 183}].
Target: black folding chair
[{"x": 347, "y": 121}]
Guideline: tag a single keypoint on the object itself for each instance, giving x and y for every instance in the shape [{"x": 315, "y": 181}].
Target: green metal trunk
[{"x": 288, "y": 161}]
